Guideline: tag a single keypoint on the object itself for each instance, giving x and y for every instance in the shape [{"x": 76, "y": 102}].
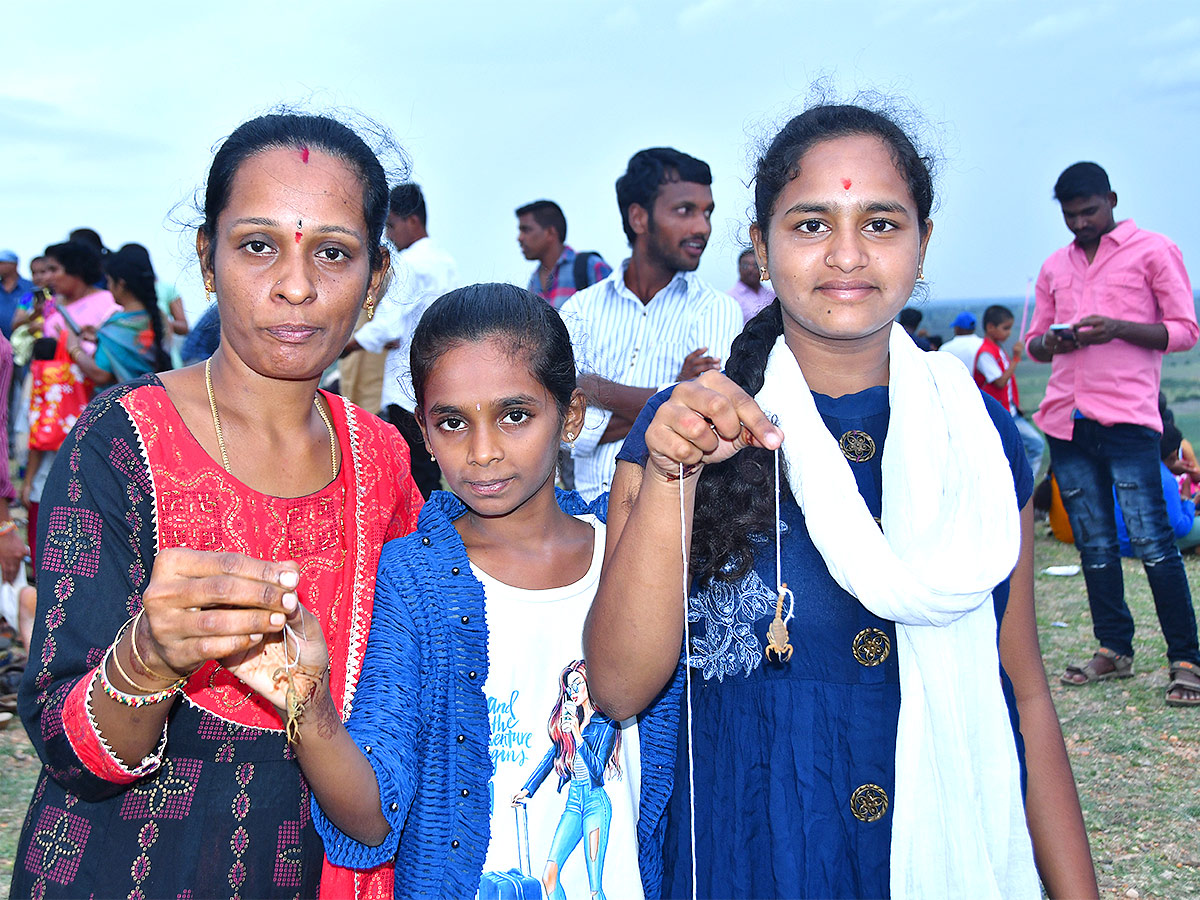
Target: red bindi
[
  {"x": 299, "y": 236},
  {"x": 846, "y": 183},
  {"x": 304, "y": 154}
]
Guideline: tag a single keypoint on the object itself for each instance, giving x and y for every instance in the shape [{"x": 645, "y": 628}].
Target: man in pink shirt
[
  {"x": 749, "y": 291},
  {"x": 1109, "y": 304}
]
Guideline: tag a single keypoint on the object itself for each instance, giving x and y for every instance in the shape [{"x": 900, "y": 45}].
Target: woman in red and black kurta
[{"x": 198, "y": 794}]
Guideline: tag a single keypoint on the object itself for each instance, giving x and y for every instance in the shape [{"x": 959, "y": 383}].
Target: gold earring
[
  {"x": 570, "y": 437},
  {"x": 920, "y": 271},
  {"x": 763, "y": 274},
  {"x": 432, "y": 458},
  {"x": 369, "y": 306},
  {"x": 209, "y": 290}
]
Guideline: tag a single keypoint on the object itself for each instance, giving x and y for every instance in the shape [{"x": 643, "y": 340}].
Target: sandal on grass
[
  {"x": 1184, "y": 676},
  {"x": 1121, "y": 667}
]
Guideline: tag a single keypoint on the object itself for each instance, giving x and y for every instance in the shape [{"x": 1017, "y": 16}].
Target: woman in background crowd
[{"x": 130, "y": 343}]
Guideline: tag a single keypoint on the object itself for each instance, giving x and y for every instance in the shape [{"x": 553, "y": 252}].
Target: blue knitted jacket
[{"x": 420, "y": 716}]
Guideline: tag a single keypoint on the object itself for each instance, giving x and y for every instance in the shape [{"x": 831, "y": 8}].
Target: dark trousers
[
  {"x": 425, "y": 472},
  {"x": 1097, "y": 460}
]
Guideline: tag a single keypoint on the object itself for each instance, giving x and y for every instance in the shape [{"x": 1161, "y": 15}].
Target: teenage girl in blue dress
[{"x": 872, "y": 754}]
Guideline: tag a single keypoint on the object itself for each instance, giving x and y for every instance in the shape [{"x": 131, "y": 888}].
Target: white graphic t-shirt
[{"x": 537, "y": 684}]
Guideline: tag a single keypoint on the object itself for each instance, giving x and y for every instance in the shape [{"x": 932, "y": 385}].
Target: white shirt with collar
[
  {"x": 616, "y": 336},
  {"x": 421, "y": 272}
]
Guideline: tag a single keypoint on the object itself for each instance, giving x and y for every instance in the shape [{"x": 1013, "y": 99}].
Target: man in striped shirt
[{"x": 652, "y": 321}]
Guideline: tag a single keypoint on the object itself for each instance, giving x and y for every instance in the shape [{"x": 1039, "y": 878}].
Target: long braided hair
[
  {"x": 131, "y": 264},
  {"x": 735, "y": 499}
]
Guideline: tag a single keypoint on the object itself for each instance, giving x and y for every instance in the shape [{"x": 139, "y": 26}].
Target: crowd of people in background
[
  {"x": 364, "y": 597},
  {"x": 87, "y": 318}
]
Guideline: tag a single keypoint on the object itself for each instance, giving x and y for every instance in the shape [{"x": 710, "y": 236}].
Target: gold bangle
[
  {"x": 133, "y": 633},
  {"x": 112, "y": 654},
  {"x": 176, "y": 682}
]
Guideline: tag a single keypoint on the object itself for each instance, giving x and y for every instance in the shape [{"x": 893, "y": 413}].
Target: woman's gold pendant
[{"x": 777, "y": 633}]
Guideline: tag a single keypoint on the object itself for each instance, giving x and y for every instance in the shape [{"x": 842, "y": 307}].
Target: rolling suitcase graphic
[{"x": 514, "y": 884}]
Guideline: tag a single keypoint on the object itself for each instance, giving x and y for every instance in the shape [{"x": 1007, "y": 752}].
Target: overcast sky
[{"x": 109, "y": 112}]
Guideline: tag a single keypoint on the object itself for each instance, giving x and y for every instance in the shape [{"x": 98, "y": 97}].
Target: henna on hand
[{"x": 325, "y": 715}]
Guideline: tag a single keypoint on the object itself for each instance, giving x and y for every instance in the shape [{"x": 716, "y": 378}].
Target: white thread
[
  {"x": 778, "y": 561},
  {"x": 288, "y": 666},
  {"x": 779, "y": 586},
  {"x": 687, "y": 673}
]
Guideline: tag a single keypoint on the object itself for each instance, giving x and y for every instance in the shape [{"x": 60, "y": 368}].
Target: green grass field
[{"x": 1135, "y": 758}]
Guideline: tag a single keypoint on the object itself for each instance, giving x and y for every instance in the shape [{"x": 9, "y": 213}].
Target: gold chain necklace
[{"x": 212, "y": 405}]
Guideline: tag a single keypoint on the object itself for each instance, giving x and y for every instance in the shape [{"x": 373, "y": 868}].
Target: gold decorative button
[
  {"x": 869, "y": 803},
  {"x": 871, "y": 646},
  {"x": 857, "y": 446}
]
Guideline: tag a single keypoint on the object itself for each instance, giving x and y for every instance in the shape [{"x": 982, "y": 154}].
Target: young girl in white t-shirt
[{"x": 473, "y": 688}]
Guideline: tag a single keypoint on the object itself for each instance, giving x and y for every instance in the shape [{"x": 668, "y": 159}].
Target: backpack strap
[{"x": 581, "y": 269}]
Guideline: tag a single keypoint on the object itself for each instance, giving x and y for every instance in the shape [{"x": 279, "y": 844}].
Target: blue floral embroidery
[{"x": 728, "y": 612}]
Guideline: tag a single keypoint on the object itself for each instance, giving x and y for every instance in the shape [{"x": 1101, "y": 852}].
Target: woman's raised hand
[
  {"x": 706, "y": 420},
  {"x": 201, "y": 606}
]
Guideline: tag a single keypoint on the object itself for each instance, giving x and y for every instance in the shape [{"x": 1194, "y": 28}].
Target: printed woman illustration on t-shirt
[{"x": 586, "y": 751}]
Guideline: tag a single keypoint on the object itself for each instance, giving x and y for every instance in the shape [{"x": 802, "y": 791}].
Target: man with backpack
[{"x": 542, "y": 234}]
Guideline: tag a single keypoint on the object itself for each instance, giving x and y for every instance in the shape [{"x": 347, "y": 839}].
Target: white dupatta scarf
[{"x": 951, "y": 532}]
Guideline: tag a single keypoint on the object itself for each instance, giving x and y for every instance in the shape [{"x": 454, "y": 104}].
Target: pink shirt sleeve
[
  {"x": 1043, "y": 310},
  {"x": 1173, "y": 291}
]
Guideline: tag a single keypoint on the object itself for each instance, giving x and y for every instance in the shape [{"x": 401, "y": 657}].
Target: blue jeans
[
  {"x": 1088, "y": 467},
  {"x": 588, "y": 809},
  {"x": 1032, "y": 442}
]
